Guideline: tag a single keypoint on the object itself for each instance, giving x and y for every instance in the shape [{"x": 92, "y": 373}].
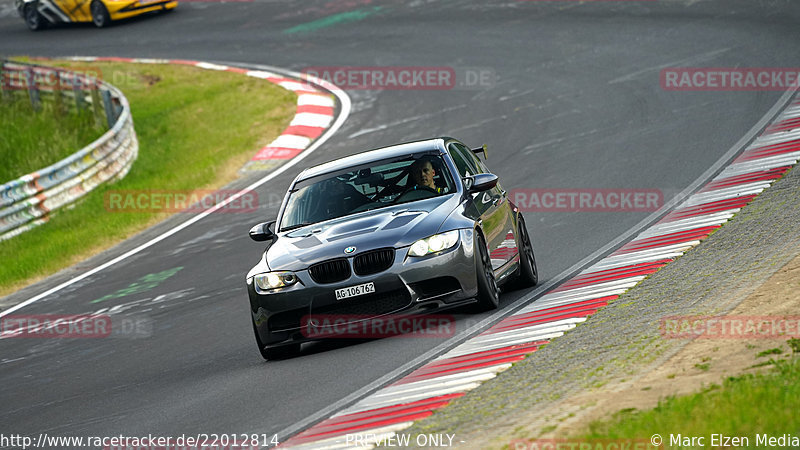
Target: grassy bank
[
  {"x": 743, "y": 406},
  {"x": 31, "y": 140},
  {"x": 195, "y": 127}
]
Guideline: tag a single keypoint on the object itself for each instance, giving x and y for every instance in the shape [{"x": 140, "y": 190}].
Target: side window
[
  {"x": 466, "y": 167},
  {"x": 473, "y": 158}
]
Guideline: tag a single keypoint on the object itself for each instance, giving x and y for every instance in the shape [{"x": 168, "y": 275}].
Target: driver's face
[{"x": 425, "y": 176}]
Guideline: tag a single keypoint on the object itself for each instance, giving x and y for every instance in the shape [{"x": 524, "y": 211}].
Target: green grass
[
  {"x": 31, "y": 140},
  {"x": 742, "y": 406},
  {"x": 195, "y": 127}
]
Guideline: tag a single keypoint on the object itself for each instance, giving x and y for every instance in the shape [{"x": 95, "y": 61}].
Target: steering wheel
[{"x": 412, "y": 190}]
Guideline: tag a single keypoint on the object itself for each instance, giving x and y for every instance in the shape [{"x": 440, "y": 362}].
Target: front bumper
[{"x": 412, "y": 285}]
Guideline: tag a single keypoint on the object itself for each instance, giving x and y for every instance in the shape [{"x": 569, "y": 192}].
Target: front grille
[
  {"x": 368, "y": 305},
  {"x": 330, "y": 271},
  {"x": 373, "y": 261}
]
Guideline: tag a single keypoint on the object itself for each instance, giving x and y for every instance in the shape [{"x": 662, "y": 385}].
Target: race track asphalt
[{"x": 574, "y": 101}]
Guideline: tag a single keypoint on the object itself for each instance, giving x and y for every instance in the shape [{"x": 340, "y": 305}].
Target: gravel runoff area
[{"x": 623, "y": 340}]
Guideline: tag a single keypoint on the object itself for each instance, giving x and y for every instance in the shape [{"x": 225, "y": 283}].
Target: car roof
[{"x": 375, "y": 155}]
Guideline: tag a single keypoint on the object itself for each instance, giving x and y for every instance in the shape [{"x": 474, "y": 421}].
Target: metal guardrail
[{"x": 27, "y": 201}]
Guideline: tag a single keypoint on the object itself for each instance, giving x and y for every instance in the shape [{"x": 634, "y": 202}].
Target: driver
[{"x": 422, "y": 174}]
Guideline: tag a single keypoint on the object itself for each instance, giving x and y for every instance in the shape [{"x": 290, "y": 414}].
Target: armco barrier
[{"x": 27, "y": 201}]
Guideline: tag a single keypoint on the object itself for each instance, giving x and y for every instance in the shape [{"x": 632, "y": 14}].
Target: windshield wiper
[{"x": 296, "y": 226}]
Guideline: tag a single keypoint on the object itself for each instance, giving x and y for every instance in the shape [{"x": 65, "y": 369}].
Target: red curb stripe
[
  {"x": 655, "y": 246},
  {"x": 444, "y": 365},
  {"x": 420, "y": 374},
  {"x": 324, "y": 110},
  {"x": 307, "y": 92},
  {"x": 636, "y": 246},
  {"x": 185, "y": 62},
  {"x": 304, "y": 130},
  {"x": 689, "y": 215},
  {"x": 511, "y": 349},
  {"x": 386, "y": 410},
  {"x": 466, "y": 359},
  {"x": 574, "y": 286},
  {"x": 748, "y": 178},
  {"x": 594, "y": 302},
  {"x": 617, "y": 270},
  {"x": 314, "y": 432},
  {"x": 237, "y": 70},
  {"x": 719, "y": 209},
  {"x": 580, "y": 312},
  {"x": 784, "y": 125},
  {"x": 677, "y": 234},
  {"x": 113, "y": 59},
  {"x": 769, "y": 150},
  {"x": 488, "y": 354},
  {"x": 707, "y": 208},
  {"x": 370, "y": 417}
]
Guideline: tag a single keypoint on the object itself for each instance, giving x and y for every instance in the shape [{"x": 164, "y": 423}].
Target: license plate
[{"x": 354, "y": 291}]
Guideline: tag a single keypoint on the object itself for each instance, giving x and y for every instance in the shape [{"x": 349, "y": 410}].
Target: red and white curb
[
  {"x": 316, "y": 110},
  {"x": 417, "y": 395}
]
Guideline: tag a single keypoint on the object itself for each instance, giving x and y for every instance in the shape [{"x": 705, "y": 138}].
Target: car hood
[{"x": 396, "y": 226}]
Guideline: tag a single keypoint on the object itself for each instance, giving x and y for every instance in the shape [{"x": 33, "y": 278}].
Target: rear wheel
[
  {"x": 100, "y": 16},
  {"x": 527, "y": 274},
  {"x": 33, "y": 19},
  {"x": 488, "y": 291}
]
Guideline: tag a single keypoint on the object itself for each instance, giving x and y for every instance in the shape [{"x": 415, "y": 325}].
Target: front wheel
[
  {"x": 33, "y": 19},
  {"x": 286, "y": 351},
  {"x": 488, "y": 291},
  {"x": 100, "y": 16}
]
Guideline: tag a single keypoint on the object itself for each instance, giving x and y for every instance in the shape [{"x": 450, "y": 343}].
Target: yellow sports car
[{"x": 39, "y": 13}]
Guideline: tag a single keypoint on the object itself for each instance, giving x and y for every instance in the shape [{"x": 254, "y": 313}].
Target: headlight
[
  {"x": 433, "y": 244},
  {"x": 274, "y": 280}
]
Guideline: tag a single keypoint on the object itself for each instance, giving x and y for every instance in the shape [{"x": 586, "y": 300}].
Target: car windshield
[{"x": 370, "y": 186}]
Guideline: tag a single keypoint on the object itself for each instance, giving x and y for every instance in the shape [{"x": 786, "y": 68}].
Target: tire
[
  {"x": 283, "y": 352},
  {"x": 100, "y": 16},
  {"x": 33, "y": 19},
  {"x": 527, "y": 273},
  {"x": 488, "y": 291}
]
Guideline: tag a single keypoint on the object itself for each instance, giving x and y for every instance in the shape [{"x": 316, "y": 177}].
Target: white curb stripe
[
  {"x": 291, "y": 141},
  {"x": 315, "y": 100},
  {"x": 312, "y": 120}
]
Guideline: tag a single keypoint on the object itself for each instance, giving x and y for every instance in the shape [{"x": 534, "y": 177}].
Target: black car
[{"x": 416, "y": 227}]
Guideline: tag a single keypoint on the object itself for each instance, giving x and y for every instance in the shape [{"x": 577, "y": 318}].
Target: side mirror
[
  {"x": 262, "y": 232},
  {"x": 480, "y": 182},
  {"x": 480, "y": 150}
]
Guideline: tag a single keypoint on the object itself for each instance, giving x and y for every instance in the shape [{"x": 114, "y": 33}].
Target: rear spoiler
[{"x": 480, "y": 150}]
